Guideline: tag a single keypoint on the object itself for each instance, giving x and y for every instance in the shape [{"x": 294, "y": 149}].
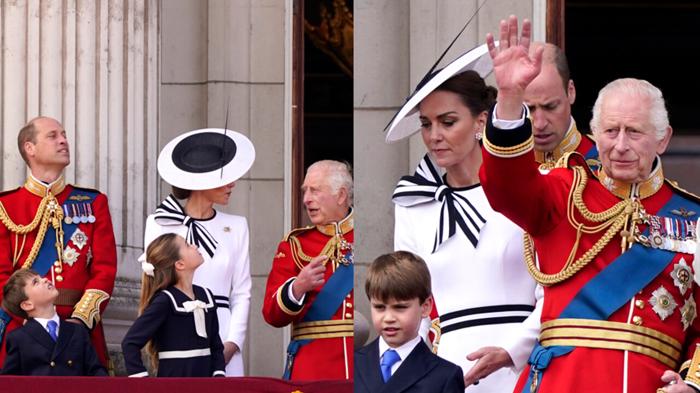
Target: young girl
[{"x": 177, "y": 319}]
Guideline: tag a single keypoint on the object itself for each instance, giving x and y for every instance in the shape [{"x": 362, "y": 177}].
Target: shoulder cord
[
  {"x": 48, "y": 211},
  {"x": 332, "y": 249},
  {"x": 616, "y": 220}
]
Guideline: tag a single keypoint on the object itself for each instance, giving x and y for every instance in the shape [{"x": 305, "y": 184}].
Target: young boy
[
  {"x": 45, "y": 345},
  {"x": 398, "y": 288}
]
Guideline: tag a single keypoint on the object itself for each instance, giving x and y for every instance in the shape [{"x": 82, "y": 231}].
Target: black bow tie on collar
[
  {"x": 169, "y": 212},
  {"x": 425, "y": 186}
]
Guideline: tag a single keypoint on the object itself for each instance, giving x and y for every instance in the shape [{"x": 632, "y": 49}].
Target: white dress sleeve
[
  {"x": 403, "y": 230},
  {"x": 239, "y": 297},
  {"x": 403, "y": 241},
  {"x": 519, "y": 346},
  {"x": 152, "y": 231}
]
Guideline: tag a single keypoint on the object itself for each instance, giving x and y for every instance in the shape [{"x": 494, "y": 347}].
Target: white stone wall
[
  {"x": 396, "y": 43},
  {"x": 220, "y": 56}
]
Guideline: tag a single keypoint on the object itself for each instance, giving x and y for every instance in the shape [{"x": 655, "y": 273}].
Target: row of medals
[
  {"x": 673, "y": 234},
  {"x": 78, "y": 213}
]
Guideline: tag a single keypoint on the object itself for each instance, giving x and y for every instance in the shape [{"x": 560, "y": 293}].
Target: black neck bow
[
  {"x": 425, "y": 186},
  {"x": 169, "y": 212}
]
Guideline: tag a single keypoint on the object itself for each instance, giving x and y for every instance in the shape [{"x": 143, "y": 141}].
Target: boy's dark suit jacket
[
  {"x": 422, "y": 371},
  {"x": 32, "y": 351}
]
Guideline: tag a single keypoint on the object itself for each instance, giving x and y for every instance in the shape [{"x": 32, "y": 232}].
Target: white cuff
[
  {"x": 139, "y": 375},
  {"x": 290, "y": 292},
  {"x": 509, "y": 124},
  {"x": 218, "y": 372}
]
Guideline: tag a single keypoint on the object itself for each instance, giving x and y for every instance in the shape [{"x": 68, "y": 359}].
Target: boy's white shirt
[
  {"x": 403, "y": 351},
  {"x": 45, "y": 321}
]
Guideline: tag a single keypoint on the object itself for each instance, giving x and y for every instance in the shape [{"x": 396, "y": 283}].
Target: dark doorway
[
  {"x": 652, "y": 40},
  {"x": 322, "y": 89}
]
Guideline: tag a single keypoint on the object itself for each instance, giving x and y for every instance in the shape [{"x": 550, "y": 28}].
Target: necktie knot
[
  {"x": 52, "y": 327},
  {"x": 389, "y": 358}
]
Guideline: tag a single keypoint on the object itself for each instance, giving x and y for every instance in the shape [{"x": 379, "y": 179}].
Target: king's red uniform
[
  {"x": 654, "y": 328},
  {"x": 85, "y": 272},
  {"x": 329, "y": 353}
]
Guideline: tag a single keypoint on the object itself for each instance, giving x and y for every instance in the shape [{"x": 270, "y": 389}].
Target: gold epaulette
[
  {"x": 674, "y": 184},
  {"x": 572, "y": 159},
  {"x": 88, "y": 308},
  {"x": 296, "y": 231}
]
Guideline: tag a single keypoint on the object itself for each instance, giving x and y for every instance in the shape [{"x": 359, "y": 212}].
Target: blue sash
[
  {"x": 47, "y": 252},
  {"x": 592, "y": 154},
  {"x": 606, "y": 293},
  {"x": 324, "y": 306},
  {"x": 5, "y": 319}
]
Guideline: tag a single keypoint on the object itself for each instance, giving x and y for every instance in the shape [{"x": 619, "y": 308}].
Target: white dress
[
  {"x": 486, "y": 292},
  {"x": 227, "y": 274}
]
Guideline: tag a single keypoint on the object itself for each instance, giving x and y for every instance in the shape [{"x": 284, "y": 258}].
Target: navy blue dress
[{"x": 181, "y": 351}]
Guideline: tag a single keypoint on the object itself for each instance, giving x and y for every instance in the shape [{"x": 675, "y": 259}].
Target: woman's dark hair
[
  {"x": 473, "y": 91},
  {"x": 181, "y": 193}
]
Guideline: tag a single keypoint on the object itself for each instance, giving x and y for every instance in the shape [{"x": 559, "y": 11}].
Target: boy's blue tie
[
  {"x": 388, "y": 359},
  {"x": 51, "y": 327}
]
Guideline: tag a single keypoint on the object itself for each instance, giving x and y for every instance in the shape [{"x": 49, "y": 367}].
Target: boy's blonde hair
[
  {"x": 400, "y": 275},
  {"x": 13, "y": 293}
]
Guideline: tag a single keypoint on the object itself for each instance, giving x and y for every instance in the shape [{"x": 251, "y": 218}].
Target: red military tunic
[
  {"x": 328, "y": 357},
  {"x": 89, "y": 260},
  {"x": 663, "y": 310}
]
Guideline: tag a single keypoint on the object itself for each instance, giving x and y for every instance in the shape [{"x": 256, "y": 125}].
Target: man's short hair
[
  {"x": 400, "y": 275},
  {"x": 13, "y": 293},
  {"x": 658, "y": 115},
  {"x": 554, "y": 55},
  {"x": 339, "y": 176},
  {"x": 27, "y": 134}
]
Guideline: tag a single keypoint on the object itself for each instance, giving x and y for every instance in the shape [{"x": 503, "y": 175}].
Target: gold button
[
  {"x": 349, "y": 295},
  {"x": 70, "y": 363},
  {"x": 637, "y": 320},
  {"x": 348, "y": 305},
  {"x": 52, "y": 364},
  {"x": 348, "y": 315},
  {"x": 697, "y": 374},
  {"x": 59, "y": 278},
  {"x": 639, "y": 303},
  {"x": 57, "y": 263}
]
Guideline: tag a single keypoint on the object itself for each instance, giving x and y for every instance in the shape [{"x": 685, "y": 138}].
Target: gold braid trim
[
  {"x": 49, "y": 211},
  {"x": 333, "y": 250},
  {"x": 614, "y": 219},
  {"x": 88, "y": 308}
]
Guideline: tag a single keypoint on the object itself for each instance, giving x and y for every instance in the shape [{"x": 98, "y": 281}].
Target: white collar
[
  {"x": 45, "y": 321},
  {"x": 403, "y": 351}
]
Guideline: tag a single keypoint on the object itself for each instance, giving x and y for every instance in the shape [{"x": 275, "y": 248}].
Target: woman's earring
[{"x": 477, "y": 135}]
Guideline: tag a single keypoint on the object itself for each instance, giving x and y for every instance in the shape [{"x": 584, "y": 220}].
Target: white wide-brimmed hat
[
  {"x": 406, "y": 122},
  {"x": 205, "y": 159}
]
